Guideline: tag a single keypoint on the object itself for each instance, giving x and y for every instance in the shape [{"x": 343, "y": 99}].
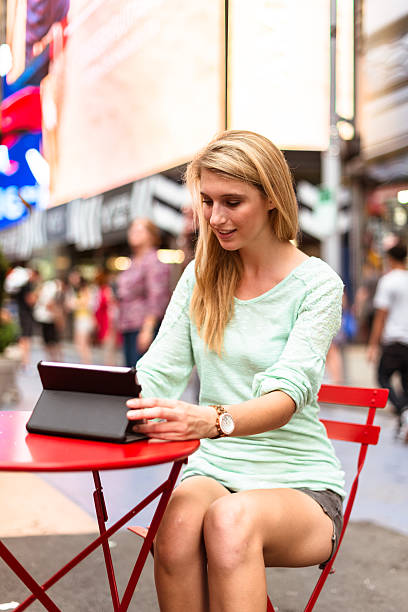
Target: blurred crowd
[{"x": 110, "y": 310}]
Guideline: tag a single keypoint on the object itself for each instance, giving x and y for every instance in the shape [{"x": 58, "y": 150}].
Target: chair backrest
[{"x": 363, "y": 433}]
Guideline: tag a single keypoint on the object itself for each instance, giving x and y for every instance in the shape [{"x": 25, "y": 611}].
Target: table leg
[
  {"x": 27, "y": 579},
  {"x": 157, "y": 517},
  {"x": 97, "y": 542},
  {"x": 38, "y": 591},
  {"x": 102, "y": 517}
]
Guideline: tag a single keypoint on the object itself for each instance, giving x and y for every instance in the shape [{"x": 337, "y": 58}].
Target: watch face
[{"x": 226, "y": 423}]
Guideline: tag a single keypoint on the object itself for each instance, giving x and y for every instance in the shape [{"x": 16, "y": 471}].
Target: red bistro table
[{"x": 24, "y": 452}]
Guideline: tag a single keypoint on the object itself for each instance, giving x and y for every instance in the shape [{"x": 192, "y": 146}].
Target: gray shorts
[{"x": 332, "y": 505}]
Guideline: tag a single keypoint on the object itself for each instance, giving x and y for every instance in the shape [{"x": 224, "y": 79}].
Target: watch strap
[{"x": 220, "y": 410}]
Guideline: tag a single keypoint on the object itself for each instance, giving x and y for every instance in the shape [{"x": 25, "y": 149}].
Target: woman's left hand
[{"x": 182, "y": 421}]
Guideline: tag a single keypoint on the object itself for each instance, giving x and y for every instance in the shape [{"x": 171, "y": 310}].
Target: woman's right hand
[{"x": 179, "y": 420}]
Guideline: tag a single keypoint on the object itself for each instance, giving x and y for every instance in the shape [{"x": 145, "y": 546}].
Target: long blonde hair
[{"x": 255, "y": 160}]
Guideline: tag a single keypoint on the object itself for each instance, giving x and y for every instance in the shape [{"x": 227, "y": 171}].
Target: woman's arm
[{"x": 184, "y": 421}]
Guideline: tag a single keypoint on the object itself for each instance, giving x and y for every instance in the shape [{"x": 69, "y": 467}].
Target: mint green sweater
[{"x": 276, "y": 341}]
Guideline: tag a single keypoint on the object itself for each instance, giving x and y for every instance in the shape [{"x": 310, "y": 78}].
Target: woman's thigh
[{"x": 289, "y": 526}]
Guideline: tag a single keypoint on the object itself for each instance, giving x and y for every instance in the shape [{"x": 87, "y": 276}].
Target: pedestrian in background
[
  {"x": 256, "y": 316},
  {"x": 143, "y": 291},
  {"x": 22, "y": 285},
  {"x": 72, "y": 282},
  {"x": 47, "y": 313},
  {"x": 60, "y": 309},
  {"x": 388, "y": 343},
  {"x": 363, "y": 306},
  {"x": 81, "y": 302},
  {"x": 106, "y": 317}
]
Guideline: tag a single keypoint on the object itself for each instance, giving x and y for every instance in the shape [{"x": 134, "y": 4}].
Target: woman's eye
[
  {"x": 233, "y": 202},
  {"x": 207, "y": 202}
]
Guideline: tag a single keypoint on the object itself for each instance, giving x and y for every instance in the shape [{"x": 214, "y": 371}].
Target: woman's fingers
[
  {"x": 161, "y": 427},
  {"x": 151, "y": 402},
  {"x": 154, "y": 408},
  {"x": 153, "y": 413}
]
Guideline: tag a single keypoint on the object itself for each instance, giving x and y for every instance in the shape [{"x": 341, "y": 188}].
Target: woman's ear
[{"x": 271, "y": 205}]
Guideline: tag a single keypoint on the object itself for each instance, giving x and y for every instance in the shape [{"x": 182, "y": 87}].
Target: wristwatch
[{"x": 224, "y": 423}]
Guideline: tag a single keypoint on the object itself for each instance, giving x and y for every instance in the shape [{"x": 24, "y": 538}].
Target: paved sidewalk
[
  {"x": 30, "y": 506},
  {"x": 370, "y": 574},
  {"x": 358, "y": 371}
]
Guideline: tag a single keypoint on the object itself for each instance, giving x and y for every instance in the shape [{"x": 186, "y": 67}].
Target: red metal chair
[{"x": 363, "y": 433}]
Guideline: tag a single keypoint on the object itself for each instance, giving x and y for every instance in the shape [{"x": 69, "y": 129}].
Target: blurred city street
[
  {"x": 136, "y": 137},
  {"x": 46, "y": 518}
]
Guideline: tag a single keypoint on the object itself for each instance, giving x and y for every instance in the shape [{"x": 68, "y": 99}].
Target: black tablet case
[{"x": 85, "y": 402}]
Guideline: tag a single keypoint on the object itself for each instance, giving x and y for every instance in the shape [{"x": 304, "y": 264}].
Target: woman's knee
[
  {"x": 179, "y": 538},
  {"x": 229, "y": 533}
]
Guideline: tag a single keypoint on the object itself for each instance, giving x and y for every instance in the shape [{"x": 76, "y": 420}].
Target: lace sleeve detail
[
  {"x": 320, "y": 314},
  {"x": 299, "y": 369}
]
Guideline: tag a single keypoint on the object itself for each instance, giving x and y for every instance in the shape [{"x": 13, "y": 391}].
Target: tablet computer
[{"x": 85, "y": 401}]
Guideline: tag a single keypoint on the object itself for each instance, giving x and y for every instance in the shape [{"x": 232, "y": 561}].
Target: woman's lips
[{"x": 225, "y": 233}]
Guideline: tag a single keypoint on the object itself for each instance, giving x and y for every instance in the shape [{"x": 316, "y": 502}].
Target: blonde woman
[{"x": 256, "y": 316}]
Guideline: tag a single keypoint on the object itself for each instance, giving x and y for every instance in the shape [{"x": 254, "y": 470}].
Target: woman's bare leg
[
  {"x": 25, "y": 348},
  {"x": 180, "y": 559},
  {"x": 82, "y": 343},
  {"x": 251, "y": 529},
  {"x": 109, "y": 348}
]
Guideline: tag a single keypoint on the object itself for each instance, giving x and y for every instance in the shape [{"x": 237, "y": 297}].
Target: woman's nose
[{"x": 217, "y": 215}]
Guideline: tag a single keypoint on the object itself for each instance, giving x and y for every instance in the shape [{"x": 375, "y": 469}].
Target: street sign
[{"x": 322, "y": 220}]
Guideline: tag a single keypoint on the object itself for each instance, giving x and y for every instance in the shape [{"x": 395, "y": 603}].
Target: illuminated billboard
[
  {"x": 133, "y": 88},
  {"x": 279, "y": 70},
  {"x": 20, "y": 191}
]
